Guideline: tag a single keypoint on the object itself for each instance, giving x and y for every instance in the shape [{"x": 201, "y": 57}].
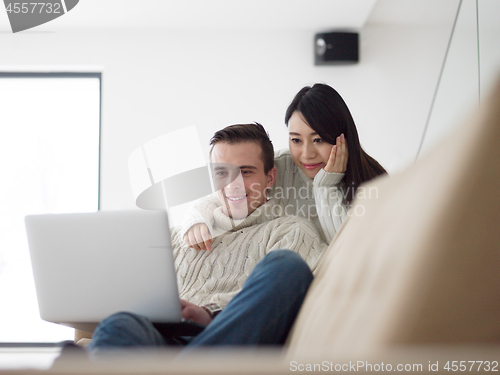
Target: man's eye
[{"x": 221, "y": 174}]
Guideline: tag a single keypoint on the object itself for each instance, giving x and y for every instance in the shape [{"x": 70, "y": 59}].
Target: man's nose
[{"x": 236, "y": 183}]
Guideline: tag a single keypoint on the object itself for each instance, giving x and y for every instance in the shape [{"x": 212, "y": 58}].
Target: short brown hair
[{"x": 247, "y": 133}]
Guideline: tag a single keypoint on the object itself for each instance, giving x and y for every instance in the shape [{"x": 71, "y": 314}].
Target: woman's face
[{"x": 308, "y": 150}]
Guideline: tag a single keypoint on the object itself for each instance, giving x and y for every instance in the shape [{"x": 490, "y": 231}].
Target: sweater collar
[
  {"x": 223, "y": 223},
  {"x": 296, "y": 169},
  {"x": 301, "y": 173}
]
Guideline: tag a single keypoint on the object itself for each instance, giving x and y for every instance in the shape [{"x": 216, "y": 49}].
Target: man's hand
[
  {"x": 195, "y": 313},
  {"x": 198, "y": 237},
  {"x": 337, "y": 162}
]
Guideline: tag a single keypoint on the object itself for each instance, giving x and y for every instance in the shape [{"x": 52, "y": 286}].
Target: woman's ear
[{"x": 271, "y": 178}]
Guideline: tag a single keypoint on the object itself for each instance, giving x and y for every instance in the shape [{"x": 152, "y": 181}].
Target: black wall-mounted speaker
[{"x": 336, "y": 48}]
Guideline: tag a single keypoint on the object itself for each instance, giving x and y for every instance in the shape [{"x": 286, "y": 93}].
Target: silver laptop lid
[{"x": 88, "y": 266}]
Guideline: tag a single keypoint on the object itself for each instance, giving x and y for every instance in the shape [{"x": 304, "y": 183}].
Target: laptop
[{"x": 87, "y": 266}]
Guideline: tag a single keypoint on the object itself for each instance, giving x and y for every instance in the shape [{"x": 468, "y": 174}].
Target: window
[{"x": 49, "y": 162}]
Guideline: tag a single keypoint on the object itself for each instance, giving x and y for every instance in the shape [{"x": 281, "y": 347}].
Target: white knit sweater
[
  {"x": 218, "y": 275},
  {"x": 320, "y": 200}
]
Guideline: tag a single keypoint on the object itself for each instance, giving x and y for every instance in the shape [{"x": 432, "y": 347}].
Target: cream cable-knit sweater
[
  {"x": 320, "y": 200},
  {"x": 218, "y": 275}
]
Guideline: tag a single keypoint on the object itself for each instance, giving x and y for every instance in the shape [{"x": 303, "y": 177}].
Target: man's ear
[{"x": 271, "y": 178}]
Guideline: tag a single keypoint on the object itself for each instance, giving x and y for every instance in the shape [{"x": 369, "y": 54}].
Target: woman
[
  {"x": 322, "y": 109},
  {"x": 318, "y": 176}
]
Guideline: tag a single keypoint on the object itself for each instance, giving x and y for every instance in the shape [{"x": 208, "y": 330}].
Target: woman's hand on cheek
[{"x": 337, "y": 161}]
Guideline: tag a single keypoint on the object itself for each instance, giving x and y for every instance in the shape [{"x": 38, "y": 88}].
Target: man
[{"x": 247, "y": 227}]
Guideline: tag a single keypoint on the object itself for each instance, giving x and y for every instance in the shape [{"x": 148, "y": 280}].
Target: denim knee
[
  {"x": 123, "y": 320},
  {"x": 282, "y": 255},
  {"x": 287, "y": 262},
  {"x": 125, "y": 329}
]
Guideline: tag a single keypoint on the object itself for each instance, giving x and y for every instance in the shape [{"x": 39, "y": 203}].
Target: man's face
[{"x": 238, "y": 173}]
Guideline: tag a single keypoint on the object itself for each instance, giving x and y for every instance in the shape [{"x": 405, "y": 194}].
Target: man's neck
[{"x": 224, "y": 223}]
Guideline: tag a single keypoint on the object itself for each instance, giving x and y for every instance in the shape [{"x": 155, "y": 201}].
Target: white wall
[
  {"x": 155, "y": 81},
  {"x": 463, "y": 86}
]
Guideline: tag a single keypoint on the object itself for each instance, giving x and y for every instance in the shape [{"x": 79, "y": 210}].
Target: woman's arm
[
  {"x": 198, "y": 222},
  {"x": 330, "y": 202},
  {"x": 328, "y": 194}
]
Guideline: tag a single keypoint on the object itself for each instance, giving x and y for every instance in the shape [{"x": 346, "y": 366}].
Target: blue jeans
[{"x": 261, "y": 314}]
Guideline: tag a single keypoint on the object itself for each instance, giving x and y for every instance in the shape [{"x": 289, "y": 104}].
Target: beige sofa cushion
[{"x": 418, "y": 260}]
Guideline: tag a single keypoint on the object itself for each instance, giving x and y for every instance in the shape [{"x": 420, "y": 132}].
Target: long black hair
[{"x": 324, "y": 110}]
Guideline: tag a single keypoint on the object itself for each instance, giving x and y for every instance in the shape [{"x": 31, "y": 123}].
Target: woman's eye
[
  {"x": 295, "y": 140},
  {"x": 318, "y": 140}
]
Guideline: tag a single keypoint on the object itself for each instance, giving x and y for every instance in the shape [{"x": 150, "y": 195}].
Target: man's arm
[{"x": 195, "y": 313}]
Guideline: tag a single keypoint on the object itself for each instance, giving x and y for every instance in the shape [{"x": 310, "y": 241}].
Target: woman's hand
[
  {"x": 337, "y": 162},
  {"x": 195, "y": 313},
  {"x": 198, "y": 237}
]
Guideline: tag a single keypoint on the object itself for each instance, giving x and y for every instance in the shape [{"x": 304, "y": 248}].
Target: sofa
[{"x": 411, "y": 279}]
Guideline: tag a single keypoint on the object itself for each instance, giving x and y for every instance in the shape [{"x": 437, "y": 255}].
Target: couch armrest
[{"x": 82, "y": 335}]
